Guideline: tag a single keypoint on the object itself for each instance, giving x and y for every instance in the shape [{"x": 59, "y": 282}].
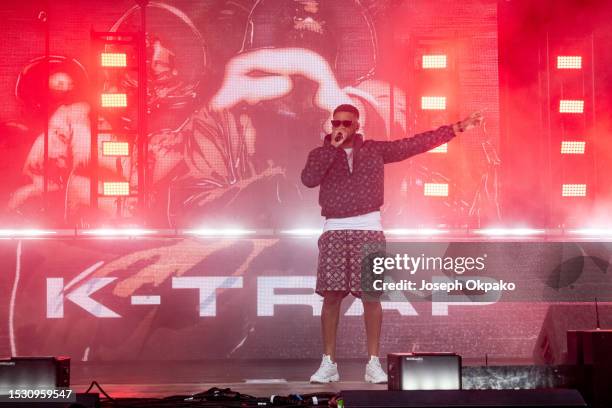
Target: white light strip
[
  {"x": 303, "y": 231},
  {"x": 219, "y": 232},
  {"x": 114, "y": 232},
  {"x": 415, "y": 231},
  {"x": 500, "y": 231},
  {"x": 24, "y": 232},
  {"x": 510, "y": 232},
  {"x": 593, "y": 232}
]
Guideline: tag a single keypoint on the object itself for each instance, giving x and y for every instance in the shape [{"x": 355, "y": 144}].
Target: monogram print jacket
[{"x": 345, "y": 194}]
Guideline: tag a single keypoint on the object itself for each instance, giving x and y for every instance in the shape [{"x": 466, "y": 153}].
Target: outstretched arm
[{"x": 402, "y": 149}]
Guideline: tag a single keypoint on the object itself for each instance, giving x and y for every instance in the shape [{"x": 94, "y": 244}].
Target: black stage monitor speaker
[
  {"x": 424, "y": 371},
  {"x": 590, "y": 351},
  {"x": 558, "y": 398},
  {"x": 551, "y": 346},
  {"x": 34, "y": 372}
]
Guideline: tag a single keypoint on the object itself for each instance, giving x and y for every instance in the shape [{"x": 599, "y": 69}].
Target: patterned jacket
[{"x": 345, "y": 194}]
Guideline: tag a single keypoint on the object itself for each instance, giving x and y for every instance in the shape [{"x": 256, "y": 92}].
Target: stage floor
[
  {"x": 256, "y": 390},
  {"x": 262, "y": 378},
  {"x": 254, "y": 377}
]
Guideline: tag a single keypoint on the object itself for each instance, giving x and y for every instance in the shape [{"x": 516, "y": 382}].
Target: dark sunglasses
[{"x": 345, "y": 123}]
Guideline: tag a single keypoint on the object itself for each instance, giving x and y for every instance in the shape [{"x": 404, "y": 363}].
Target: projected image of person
[
  {"x": 69, "y": 135},
  {"x": 230, "y": 158},
  {"x": 295, "y": 66},
  {"x": 349, "y": 171},
  {"x": 217, "y": 150}
]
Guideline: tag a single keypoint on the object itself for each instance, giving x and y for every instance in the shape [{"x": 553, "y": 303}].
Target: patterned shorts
[{"x": 341, "y": 255}]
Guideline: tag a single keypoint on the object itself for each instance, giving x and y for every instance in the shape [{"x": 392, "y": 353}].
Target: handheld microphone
[{"x": 338, "y": 137}]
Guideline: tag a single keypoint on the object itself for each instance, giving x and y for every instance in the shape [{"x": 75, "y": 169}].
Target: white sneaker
[
  {"x": 327, "y": 372},
  {"x": 374, "y": 372}
]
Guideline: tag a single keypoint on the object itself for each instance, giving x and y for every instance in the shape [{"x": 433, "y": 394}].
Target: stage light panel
[
  {"x": 435, "y": 190},
  {"x": 116, "y": 188},
  {"x": 571, "y": 106},
  {"x": 572, "y": 147},
  {"x": 434, "y": 61},
  {"x": 115, "y": 148},
  {"x": 113, "y": 60},
  {"x": 569, "y": 62},
  {"x": 114, "y": 100},
  {"x": 574, "y": 190},
  {"x": 433, "y": 102},
  {"x": 440, "y": 149}
]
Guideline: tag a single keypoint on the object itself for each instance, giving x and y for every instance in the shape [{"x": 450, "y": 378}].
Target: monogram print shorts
[{"x": 341, "y": 264}]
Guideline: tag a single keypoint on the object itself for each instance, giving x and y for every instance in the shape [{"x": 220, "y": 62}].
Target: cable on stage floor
[{"x": 218, "y": 398}]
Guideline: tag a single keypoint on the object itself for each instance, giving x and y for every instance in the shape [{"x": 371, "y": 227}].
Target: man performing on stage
[{"x": 350, "y": 173}]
